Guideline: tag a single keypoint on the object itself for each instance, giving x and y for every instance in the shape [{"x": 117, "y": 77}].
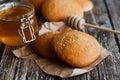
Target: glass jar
[{"x": 18, "y": 24}]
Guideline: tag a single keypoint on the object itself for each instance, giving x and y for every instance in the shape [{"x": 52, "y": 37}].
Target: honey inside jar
[{"x": 10, "y": 23}]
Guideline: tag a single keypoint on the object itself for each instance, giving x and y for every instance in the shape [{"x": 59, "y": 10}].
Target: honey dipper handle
[{"x": 101, "y": 28}]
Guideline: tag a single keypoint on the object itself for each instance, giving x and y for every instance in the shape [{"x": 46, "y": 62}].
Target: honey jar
[{"x": 18, "y": 24}]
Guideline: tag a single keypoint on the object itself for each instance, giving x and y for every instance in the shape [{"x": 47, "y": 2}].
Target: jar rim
[{"x": 8, "y": 5}]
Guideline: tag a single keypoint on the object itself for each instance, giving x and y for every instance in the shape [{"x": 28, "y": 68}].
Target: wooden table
[{"x": 105, "y": 13}]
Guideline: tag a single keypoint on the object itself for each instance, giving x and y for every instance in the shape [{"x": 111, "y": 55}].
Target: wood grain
[
  {"x": 2, "y": 46},
  {"x": 114, "y": 15},
  {"x": 107, "y": 69}
]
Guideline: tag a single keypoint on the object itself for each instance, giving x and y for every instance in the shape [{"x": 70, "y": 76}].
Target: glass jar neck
[{"x": 6, "y": 10}]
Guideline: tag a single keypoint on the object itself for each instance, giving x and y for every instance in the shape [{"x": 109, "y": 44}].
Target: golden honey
[{"x": 10, "y": 23}]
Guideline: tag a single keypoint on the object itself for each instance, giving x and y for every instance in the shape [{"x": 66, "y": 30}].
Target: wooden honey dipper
[{"x": 78, "y": 23}]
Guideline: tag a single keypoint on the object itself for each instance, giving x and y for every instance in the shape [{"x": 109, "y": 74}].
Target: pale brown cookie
[
  {"x": 86, "y": 5},
  {"x": 58, "y": 10},
  {"x": 42, "y": 45},
  {"x": 76, "y": 48}
]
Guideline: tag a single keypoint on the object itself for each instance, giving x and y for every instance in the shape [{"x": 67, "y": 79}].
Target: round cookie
[
  {"x": 42, "y": 45},
  {"x": 76, "y": 48},
  {"x": 37, "y": 4},
  {"x": 58, "y": 10},
  {"x": 86, "y": 5}
]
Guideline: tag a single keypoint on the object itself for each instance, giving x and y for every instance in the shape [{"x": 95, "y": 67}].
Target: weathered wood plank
[
  {"x": 12, "y": 68},
  {"x": 106, "y": 70},
  {"x": 114, "y": 15},
  {"x": 2, "y": 46},
  {"x": 8, "y": 64}
]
